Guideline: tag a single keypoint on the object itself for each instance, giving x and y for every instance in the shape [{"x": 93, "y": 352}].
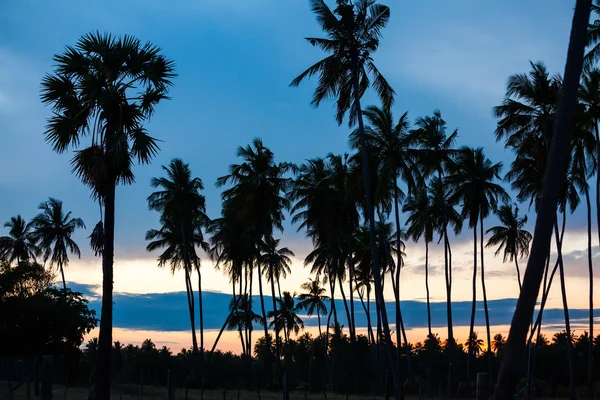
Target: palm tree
[
  {"x": 19, "y": 244},
  {"x": 510, "y": 237},
  {"x": 474, "y": 343},
  {"x": 313, "y": 300},
  {"x": 353, "y": 31},
  {"x": 285, "y": 317},
  {"x": 390, "y": 144},
  {"x": 498, "y": 344},
  {"x": 553, "y": 181},
  {"x": 420, "y": 223},
  {"x": 105, "y": 88},
  {"x": 257, "y": 197},
  {"x": 52, "y": 233},
  {"x": 242, "y": 315},
  {"x": 593, "y": 39},
  {"x": 471, "y": 176},
  {"x": 277, "y": 260},
  {"x": 183, "y": 211},
  {"x": 589, "y": 95}
]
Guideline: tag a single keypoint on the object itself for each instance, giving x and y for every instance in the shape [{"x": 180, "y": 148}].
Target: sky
[{"x": 235, "y": 60}]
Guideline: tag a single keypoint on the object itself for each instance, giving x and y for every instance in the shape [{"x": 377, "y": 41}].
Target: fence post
[
  {"x": 28, "y": 386},
  {"x": 141, "y": 385},
  {"x": 47, "y": 370}
]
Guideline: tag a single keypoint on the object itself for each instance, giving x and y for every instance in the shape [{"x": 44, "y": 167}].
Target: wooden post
[
  {"x": 36, "y": 377},
  {"x": 483, "y": 386},
  {"x": 47, "y": 370}
]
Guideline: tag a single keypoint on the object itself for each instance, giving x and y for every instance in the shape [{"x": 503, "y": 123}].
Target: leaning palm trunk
[
  {"x": 553, "y": 178},
  {"x": 274, "y": 300},
  {"x": 563, "y": 289},
  {"x": 262, "y": 307},
  {"x": 591, "y": 294},
  {"x": 370, "y": 216},
  {"x": 106, "y": 316},
  {"x": 473, "y": 306},
  {"x": 190, "y": 296},
  {"x": 485, "y": 303}
]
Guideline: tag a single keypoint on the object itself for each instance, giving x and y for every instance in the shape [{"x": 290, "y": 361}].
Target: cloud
[{"x": 169, "y": 312}]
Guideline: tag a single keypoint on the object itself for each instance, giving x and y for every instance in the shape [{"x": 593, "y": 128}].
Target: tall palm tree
[
  {"x": 313, "y": 300},
  {"x": 420, "y": 223},
  {"x": 277, "y": 261},
  {"x": 553, "y": 179},
  {"x": 471, "y": 176},
  {"x": 242, "y": 315},
  {"x": 104, "y": 88},
  {"x": 589, "y": 95},
  {"x": 445, "y": 216},
  {"x": 19, "y": 244},
  {"x": 390, "y": 141},
  {"x": 183, "y": 208},
  {"x": 257, "y": 196},
  {"x": 353, "y": 31},
  {"x": 52, "y": 233}
]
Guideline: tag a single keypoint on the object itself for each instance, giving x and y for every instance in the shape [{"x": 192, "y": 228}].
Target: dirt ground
[{"x": 132, "y": 392}]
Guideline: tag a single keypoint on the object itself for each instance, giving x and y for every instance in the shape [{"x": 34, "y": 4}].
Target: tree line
[{"x": 104, "y": 88}]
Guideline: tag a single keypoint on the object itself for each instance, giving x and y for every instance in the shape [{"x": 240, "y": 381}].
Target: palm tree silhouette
[
  {"x": 471, "y": 176},
  {"x": 52, "y": 230},
  {"x": 353, "y": 32},
  {"x": 420, "y": 223},
  {"x": 286, "y": 316},
  {"x": 19, "y": 245},
  {"x": 510, "y": 237},
  {"x": 257, "y": 197},
  {"x": 313, "y": 300},
  {"x": 104, "y": 88},
  {"x": 183, "y": 214}
]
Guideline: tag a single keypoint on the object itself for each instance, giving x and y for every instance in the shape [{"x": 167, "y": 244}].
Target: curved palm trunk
[
  {"x": 190, "y": 292},
  {"x": 485, "y": 303},
  {"x": 399, "y": 393},
  {"x": 553, "y": 176},
  {"x": 473, "y": 307},
  {"x": 399, "y": 318},
  {"x": 242, "y": 341},
  {"x": 591, "y": 295},
  {"x": 273, "y": 298},
  {"x": 352, "y": 323},
  {"x": 518, "y": 271},
  {"x": 345, "y": 301},
  {"x": 563, "y": 289},
  {"x": 106, "y": 316},
  {"x": 201, "y": 314},
  {"x": 367, "y": 314}
]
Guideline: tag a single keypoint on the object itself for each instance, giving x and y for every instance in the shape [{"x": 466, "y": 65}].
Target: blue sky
[{"x": 235, "y": 60}]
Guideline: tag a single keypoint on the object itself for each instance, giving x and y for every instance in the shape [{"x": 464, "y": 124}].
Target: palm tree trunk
[
  {"x": 352, "y": 323},
  {"x": 591, "y": 294},
  {"x": 369, "y": 327},
  {"x": 485, "y": 303},
  {"x": 201, "y": 313},
  {"x": 553, "y": 180},
  {"x": 190, "y": 291},
  {"x": 427, "y": 286},
  {"x": 397, "y": 291},
  {"x": 239, "y": 322},
  {"x": 473, "y": 307},
  {"x": 345, "y": 301},
  {"x": 597, "y": 131},
  {"x": 262, "y": 307},
  {"x": 62, "y": 273},
  {"x": 518, "y": 271},
  {"x": 563, "y": 289},
  {"x": 319, "y": 322},
  {"x": 273, "y": 298},
  {"x": 106, "y": 316},
  {"x": 399, "y": 394}
]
